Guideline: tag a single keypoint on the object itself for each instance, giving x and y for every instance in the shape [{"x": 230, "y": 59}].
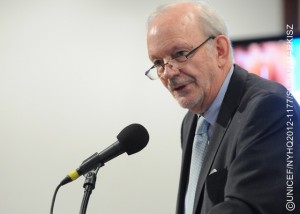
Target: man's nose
[{"x": 170, "y": 71}]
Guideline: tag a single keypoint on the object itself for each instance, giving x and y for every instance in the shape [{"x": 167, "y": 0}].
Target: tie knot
[{"x": 202, "y": 126}]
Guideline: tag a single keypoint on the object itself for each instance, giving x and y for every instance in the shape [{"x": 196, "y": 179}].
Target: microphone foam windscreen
[{"x": 133, "y": 138}]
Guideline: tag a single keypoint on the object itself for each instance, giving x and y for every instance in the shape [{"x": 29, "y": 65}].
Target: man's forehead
[{"x": 177, "y": 24}]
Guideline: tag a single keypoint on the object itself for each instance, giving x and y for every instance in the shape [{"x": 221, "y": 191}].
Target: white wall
[{"x": 71, "y": 78}]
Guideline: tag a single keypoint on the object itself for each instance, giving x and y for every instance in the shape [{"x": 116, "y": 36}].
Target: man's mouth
[
  {"x": 179, "y": 88},
  {"x": 179, "y": 85}
]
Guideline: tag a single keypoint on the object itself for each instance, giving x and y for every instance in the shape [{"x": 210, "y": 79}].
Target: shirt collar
[{"x": 211, "y": 114}]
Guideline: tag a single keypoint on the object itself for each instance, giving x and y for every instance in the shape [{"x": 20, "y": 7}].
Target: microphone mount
[{"x": 89, "y": 185}]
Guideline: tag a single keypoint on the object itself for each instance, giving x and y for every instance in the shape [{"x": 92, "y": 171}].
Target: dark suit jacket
[{"x": 254, "y": 151}]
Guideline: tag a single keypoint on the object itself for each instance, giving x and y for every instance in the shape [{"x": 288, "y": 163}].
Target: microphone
[{"x": 131, "y": 139}]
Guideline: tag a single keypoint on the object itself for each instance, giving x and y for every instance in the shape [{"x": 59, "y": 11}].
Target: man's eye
[
  {"x": 180, "y": 53},
  {"x": 180, "y": 56}
]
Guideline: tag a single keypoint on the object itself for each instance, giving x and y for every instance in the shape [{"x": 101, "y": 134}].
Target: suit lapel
[
  {"x": 229, "y": 105},
  {"x": 189, "y": 126}
]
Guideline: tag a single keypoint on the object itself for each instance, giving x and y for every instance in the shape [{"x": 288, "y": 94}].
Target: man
[{"x": 248, "y": 161}]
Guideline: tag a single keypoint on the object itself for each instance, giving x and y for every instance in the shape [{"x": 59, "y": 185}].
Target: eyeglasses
[{"x": 177, "y": 62}]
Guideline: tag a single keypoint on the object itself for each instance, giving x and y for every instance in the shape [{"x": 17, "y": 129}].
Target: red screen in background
[{"x": 272, "y": 60}]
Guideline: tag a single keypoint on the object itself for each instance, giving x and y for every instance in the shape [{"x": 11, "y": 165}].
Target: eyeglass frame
[{"x": 187, "y": 56}]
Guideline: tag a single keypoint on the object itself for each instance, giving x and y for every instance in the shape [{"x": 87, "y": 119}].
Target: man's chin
[
  {"x": 187, "y": 104},
  {"x": 190, "y": 104}
]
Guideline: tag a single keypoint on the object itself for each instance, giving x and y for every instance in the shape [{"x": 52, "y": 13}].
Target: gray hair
[{"x": 211, "y": 23}]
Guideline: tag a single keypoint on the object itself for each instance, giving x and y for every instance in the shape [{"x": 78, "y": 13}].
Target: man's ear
[{"x": 223, "y": 50}]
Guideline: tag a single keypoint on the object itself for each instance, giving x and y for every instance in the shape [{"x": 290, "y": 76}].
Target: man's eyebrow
[
  {"x": 180, "y": 47},
  {"x": 172, "y": 50}
]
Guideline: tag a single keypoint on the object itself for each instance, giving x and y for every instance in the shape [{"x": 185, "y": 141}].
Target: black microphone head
[{"x": 133, "y": 138}]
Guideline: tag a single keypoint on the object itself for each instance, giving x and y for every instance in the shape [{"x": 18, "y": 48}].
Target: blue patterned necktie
[{"x": 199, "y": 147}]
